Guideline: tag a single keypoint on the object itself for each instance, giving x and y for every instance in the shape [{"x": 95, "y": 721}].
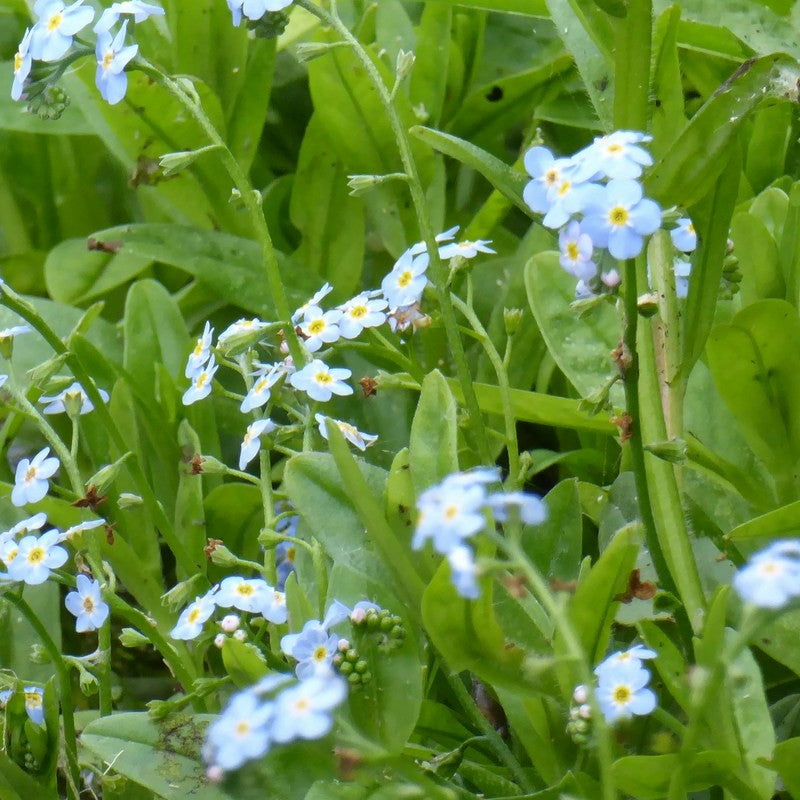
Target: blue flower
[
  {"x": 254, "y": 9},
  {"x": 304, "y": 711},
  {"x": 251, "y": 443},
  {"x": 320, "y": 382},
  {"x": 547, "y": 171},
  {"x": 531, "y": 509},
  {"x": 622, "y": 692},
  {"x": 448, "y": 515},
  {"x": 53, "y": 32},
  {"x": 576, "y": 252},
  {"x": 771, "y": 578},
  {"x": 684, "y": 236},
  {"x": 34, "y": 704},
  {"x": 682, "y": 269},
  {"x": 136, "y": 8},
  {"x": 241, "y": 733},
  {"x": 633, "y": 655},
  {"x": 619, "y": 217},
  {"x": 615, "y": 155},
  {"x": 32, "y": 476},
  {"x": 313, "y": 648},
  {"x": 201, "y": 383},
  {"x": 87, "y": 605},
  {"x": 464, "y": 571},
  {"x": 22, "y": 65},
  {"x": 112, "y": 58}
]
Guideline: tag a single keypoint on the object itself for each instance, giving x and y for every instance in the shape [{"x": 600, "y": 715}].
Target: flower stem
[
  {"x": 65, "y": 690},
  {"x": 438, "y": 270}
]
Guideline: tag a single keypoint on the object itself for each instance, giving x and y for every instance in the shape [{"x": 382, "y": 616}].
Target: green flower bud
[
  {"x": 129, "y": 500},
  {"x": 130, "y": 637},
  {"x": 106, "y": 475},
  {"x": 222, "y": 557},
  {"x": 512, "y": 317},
  {"x": 673, "y": 451},
  {"x": 40, "y": 375}
]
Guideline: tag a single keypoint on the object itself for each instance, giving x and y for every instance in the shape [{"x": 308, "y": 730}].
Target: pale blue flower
[
  {"x": 241, "y": 593},
  {"x": 136, "y": 8},
  {"x": 313, "y": 649},
  {"x": 616, "y": 155},
  {"x": 22, "y": 65},
  {"x": 619, "y": 217},
  {"x": 361, "y": 312},
  {"x": 251, "y": 443},
  {"x": 201, "y": 383},
  {"x": 771, "y": 578},
  {"x": 261, "y": 390},
  {"x": 241, "y": 733},
  {"x": 404, "y": 285},
  {"x": 576, "y": 252},
  {"x": 285, "y": 555},
  {"x": 190, "y": 623},
  {"x": 75, "y": 393},
  {"x": 201, "y": 352},
  {"x": 304, "y": 711},
  {"x": 318, "y": 297},
  {"x": 684, "y": 236},
  {"x": 273, "y": 607},
  {"x": 633, "y": 655},
  {"x": 320, "y": 382},
  {"x": 448, "y": 514},
  {"x": 57, "y": 25},
  {"x": 529, "y": 507},
  {"x": 112, "y": 58},
  {"x": 31, "y": 478},
  {"x": 34, "y": 523},
  {"x": 682, "y": 269},
  {"x": 320, "y": 327},
  {"x": 34, "y": 704},
  {"x": 87, "y": 605},
  {"x": 567, "y": 197},
  {"x": 622, "y": 692},
  {"x": 547, "y": 172},
  {"x": 464, "y": 571},
  {"x": 361, "y": 440},
  {"x": 87, "y": 525},
  {"x": 254, "y": 9},
  {"x": 8, "y": 334},
  {"x": 466, "y": 249},
  {"x": 36, "y": 556}
]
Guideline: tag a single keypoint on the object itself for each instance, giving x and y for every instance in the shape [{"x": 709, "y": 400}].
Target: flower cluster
[
  {"x": 319, "y": 329},
  {"x": 52, "y": 36},
  {"x": 281, "y": 708},
  {"x": 596, "y": 202},
  {"x": 457, "y": 508},
  {"x": 253, "y": 595},
  {"x": 771, "y": 578},
  {"x": 622, "y": 680}
]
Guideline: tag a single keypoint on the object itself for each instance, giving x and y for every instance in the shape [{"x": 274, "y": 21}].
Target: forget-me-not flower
[
  {"x": 684, "y": 235},
  {"x": 241, "y": 593},
  {"x": 57, "y": 403},
  {"x": 304, "y": 711},
  {"x": 251, "y": 443},
  {"x": 576, "y": 249},
  {"x": 112, "y": 58},
  {"x": 201, "y": 383},
  {"x": 622, "y": 692},
  {"x": 57, "y": 25},
  {"x": 87, "y": 605},
  {"x": 361, "y": 440},
  {"x": 320, "y": 382},
  {"x": 36, "y": 557},
  {"x": 361, "y": 312},
  {"x": 406, "y": 282},
  {"x": 34, "y": 704},
  {"x": 771, "y": 577},
  {"x": 22, "y": 65},
  {"x": 547, "y": 171},
  {"x": 136, "y": 8},
  {"x": 32, "y": 476},
  {"x": 616, "y": 155},
  {"x": 190, "y": 623},
  {"x": 320, "y": 327},
  {"x": 201, "y": 352},
  {"x": 240, "y": 733}
]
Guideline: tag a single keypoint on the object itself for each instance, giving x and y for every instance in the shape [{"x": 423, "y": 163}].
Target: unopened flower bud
[
  {"x": 512, "y": 317},
  {"x": 172, "y": 163},
  {"x": 215, "y": 774},
  {"x": 580, "y": 695},
  {"x": 230, "y": 623},
  {"x": 404, "y": 64},
  {"x": 585, "y": 711},
  {"x": 240, "y": 635},
  {"x": 222, "y": 557},
  {"x": 219, "y": 640},
  {"x": 130, "y": 637},
  {"x": 41, "y": 374},
  {"x": 106, "y": 475},
  {"x": 673, "y": 451},
  {"x": 129, "y": 500}
]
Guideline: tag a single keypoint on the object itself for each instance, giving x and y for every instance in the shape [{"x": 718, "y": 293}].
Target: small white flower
[
  {"x": 136, "y": 8},
  {"x": 87, "y": 605},
  {"x": 361, "y": 312},
  {"x": 622, "y": 692},
  {"x": 240, "y": 733},
  {"x": 274, "y": 607},
  {"x": 304, "y": 711},
  {"x": 34, "y": 523},
  {"x": 361, "y": 440},
  {"x": 34, "y": 704},
  {"x": 230, "y": 623},
  {"x": 201, "y": 352},
  {"x": 320, "y": 327},
  {"x": 246, "y": 595},
  {"x": 201, "y": 383},
  {"x": 251, "y": 443},
  {"x": 31, "y": 478},
  {"x": 190, "y": 622},
  {"x": 36, "y": 556},
  {"x": 464, "y": 571},
  {"x": 261, "y": 390},
  {"x": 404, "y": 285},
  {"x": 241, "y": 327},
  {"x": 466, "y": 249},
  {"x": 320, "y": 382},
  {"x": 633, "y": 655},
  {"x": 73, "y": 396},
  {"x": 771, "y": 578},
  {"x": 314, "y": 301},
  {"x": 88, "y": 525},
  {"x": 6, "y": 334}
]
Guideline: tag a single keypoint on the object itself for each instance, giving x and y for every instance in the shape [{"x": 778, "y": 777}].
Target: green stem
[
  {"x": 15, "y": 303},
  {"x": 512, "y": 445},
  {"x": 252, "y": 202},
  {"x": 65, "y": 689},
  {"x": 437, "y": 269}
]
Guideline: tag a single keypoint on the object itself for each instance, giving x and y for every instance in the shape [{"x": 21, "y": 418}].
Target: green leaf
[
  {"x": 786, "y": 760},
  {"x": 234, "y": 513},
  {"x": 506, "y": 180},
  {"x": 243, "y": 661},
  {"x": 648, "y": 777},
  {"x": 580, "y": 346},
  {"x": 428, "y": 82},
  {"x": 555, "y": 547},
  {"x": 16, "y": 784},
  {"x": 669, "y": 662},
  {"x": 757, "y": 252},
  {"x": 667, "y": 113},
  {"x": 593, "y": 605},
  {"x": 775, "y": 523},
  {"x": 164, "y": 757},
  {"x": 434, "y": 434}
]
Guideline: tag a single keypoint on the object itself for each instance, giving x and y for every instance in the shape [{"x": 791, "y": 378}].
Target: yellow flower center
[
  {"x": 564, "y": 188},
  {"x": 194, "y": 614},
  {"x": 108, "y": 59},
  {"x": 404, "y": 279},
  {"x": 202, "y": 380},
  {"x": 33, "y": 700},
  {"x": 88, "y": 605},
  {"x": 198, "y": 348},
  {"x": 291, "y": 554},
  {"x": 321, "y": 653},
  {"x": 551, "y": 176},
  {"x": 572, "y": 251},
  {"x": 35, "y": 555},
  {"x": 323, "y": 378},
  {"x": 451, "y": 512},
  {"x": 11, "y": 555},
  {"x": 18, "y": 60},
  {"x": 30, "y": 474},
  {"x": 344, "y": 427},
  {"x": 614, "y": 149},
  {"x": 622, "y": 695},
  {"x": 261, "y": 385},
  {"x": 618, "y": 215},
  {"x": 244, "y": 589},
  {"x": 243, "y": 728},
  {"x": 54, "y": 23},
  {"x": 358, "y": 311},
  {"x": 316, "y": 326},
  {"x": 302, "y": 705}
]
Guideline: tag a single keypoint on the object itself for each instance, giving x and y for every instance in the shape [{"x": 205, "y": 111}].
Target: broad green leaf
[
  {"x": 648, "y": 777},
  {"x": 593, "y": 605},
  {"x": 757, "y": 252},
  {"x": 555, "y": 546},
  {"x": 771, "y": 525},
  {"x": 669, "y": 662},
  {"x": 75, "y": 275},
  {"x": 228, "y": 265},
  {"x": 331, "y": 221},
  {"x": 428, "y": 81},
  {"x": 786, "y": 760},
  {"x": 164, "y": 757},
  {"x": 17, "y": 784},
  {"x": 190, "y": 521},
  {"x": 434, "y": 434},
  {"x": 667, "y": 113},
  {"x": 580, "y": 347},
  {"x": 243, "y": 661}
]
